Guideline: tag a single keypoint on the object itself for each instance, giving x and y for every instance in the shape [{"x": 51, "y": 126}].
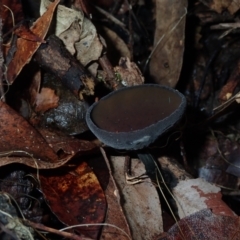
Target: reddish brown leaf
[
  {"x": 205, "y": 225},
  {"x": 25, "y": 48},
  {"x": 25, "y": 33},
  {"x": 68, "y": 144},
  {"x": 76, "y": 198},
  {"x": 16, "y": 134}
]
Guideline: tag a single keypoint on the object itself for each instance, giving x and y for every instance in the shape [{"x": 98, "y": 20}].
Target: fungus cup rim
[{"x": 140, "y": 138}]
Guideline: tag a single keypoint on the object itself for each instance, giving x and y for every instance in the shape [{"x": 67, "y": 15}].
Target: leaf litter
[{"x": 204, "y": 68}]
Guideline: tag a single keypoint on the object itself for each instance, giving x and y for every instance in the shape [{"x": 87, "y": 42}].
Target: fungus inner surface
[{"x": 134, "y": 108}]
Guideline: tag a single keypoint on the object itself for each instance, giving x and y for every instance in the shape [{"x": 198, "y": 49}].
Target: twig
[
  {"x": 111, "y": 17},
  {"x": 55, "y": 231}
]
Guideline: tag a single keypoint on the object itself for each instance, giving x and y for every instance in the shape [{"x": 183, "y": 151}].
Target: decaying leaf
[
  {"x": 76, "y": 198},
  {"x": 25, "y": 48},
  {"x": 68, "y": 145}
]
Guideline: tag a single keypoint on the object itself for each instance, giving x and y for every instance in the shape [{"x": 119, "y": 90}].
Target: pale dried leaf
[
  {"x": 89, "y": 48},
  {"x": 141, "y": 202},
  {"x": 167, "y": 55},
  {"x": 71, "y": 36},
  {"x": 82, "y": 37}
]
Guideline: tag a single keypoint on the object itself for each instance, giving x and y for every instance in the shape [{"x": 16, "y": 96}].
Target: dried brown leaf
[
  {"x": 68, "y": 144},
  {"x": 76, "y": 198},
  {"x": 25, "y": 48},
  {"x": 16, "y": 134}
]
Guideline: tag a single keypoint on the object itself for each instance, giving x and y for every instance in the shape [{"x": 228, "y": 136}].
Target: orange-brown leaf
[
  {"x": 25, "y": 48},
  {"x": 76, "y": 198}
]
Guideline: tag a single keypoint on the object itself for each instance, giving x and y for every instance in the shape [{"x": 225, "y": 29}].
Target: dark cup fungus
[{"x": 133, "y": 117}]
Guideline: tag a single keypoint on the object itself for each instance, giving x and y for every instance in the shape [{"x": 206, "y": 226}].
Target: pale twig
[
  {"x": 97, "y": 224},
  {"x": 55, "y": 231}
]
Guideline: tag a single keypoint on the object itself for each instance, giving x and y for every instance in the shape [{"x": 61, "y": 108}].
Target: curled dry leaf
[
  {"x": 25, "y": 48},
  {"x": 76, "y": 198},
  {"x": 68, "y": 144},
  {"x": 34, "y": 163}
]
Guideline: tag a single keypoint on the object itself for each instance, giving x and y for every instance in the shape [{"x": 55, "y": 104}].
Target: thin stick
[
  {"x": 97, "y": 224},
  {"x": 55, "y": 231}
]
